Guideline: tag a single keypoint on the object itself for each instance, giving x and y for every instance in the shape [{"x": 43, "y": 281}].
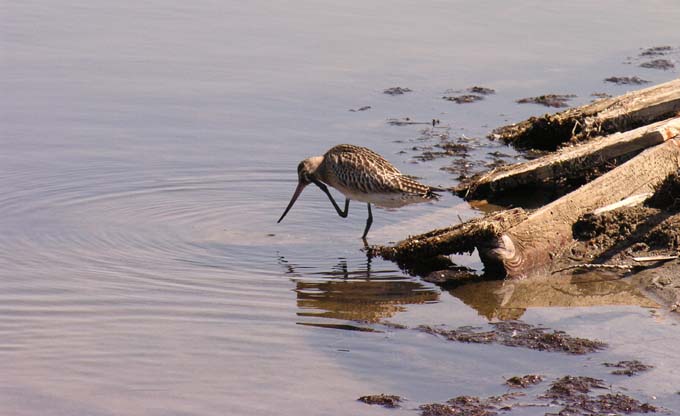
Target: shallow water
[{"x": 148, "y": 149}]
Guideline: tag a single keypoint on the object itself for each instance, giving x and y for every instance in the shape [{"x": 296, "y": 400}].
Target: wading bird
[{"x": 362, "y": 175}]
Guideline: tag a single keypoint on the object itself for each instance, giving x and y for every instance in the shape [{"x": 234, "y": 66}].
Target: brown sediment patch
[
  {"x": 628, "y": 368},
  {"x": 656, "y": 51},
  {"x": 396, "y": 91},
  {"x": 448, "y": 148},
  {"x": 600, "y": 95},
  {"x": 570, "y": 387},
  {"x": 663, "y": 64},
  {"x": 520, "y": 334},
  {"x": 453, "y": 275},
  {"x": 572, "y": 393},
  {"x": 635, "y": 80},
  {"x": 385, "y": 400},
  {"x": 463, "y": 99},
  {"x": 667, "y": 195},
  {"x": 608, "y": 228},
  {"x": 470, "y": 406},
  {"x": 522, "y": 382},
  {"x": 481, "y": 90},
  {"x": 548, "y": 100}
]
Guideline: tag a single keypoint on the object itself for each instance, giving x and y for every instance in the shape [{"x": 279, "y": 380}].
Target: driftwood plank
[
  {"x": 570, "y": 162},
  {"x": 529, "y": 248},
  {"x": 459, "y": 239},
  {"x": 605, "y": 116}
]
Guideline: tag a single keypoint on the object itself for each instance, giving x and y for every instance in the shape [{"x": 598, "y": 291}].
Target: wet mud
[
  {"x": 519, "y": 334},
  {"x": 574, "y": 394},
  {"x": 549, "y": 100},
  {"x": 663, "y": 64},
  {"x": 635, "y": 80},
  {"x": 571, "y": 395},
  {"x": 628, "y": 368},
  {"x": 463, "y": 99},
  {"x": 522, "y": 382},
  {"x": 386, "y": 400},
  {"x": 469, "y": 406},
  {"x": 396, "y": 91}
]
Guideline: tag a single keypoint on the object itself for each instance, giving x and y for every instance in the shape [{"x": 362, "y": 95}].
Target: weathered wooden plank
[
  {"x": 570, "y": 162},
  {"x": 529, "y": 248},
  {"x": 605, "y": 116},
  {"x": 459, "y": 239}
]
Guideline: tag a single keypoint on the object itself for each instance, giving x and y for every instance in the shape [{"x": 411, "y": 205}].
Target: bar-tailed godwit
[{"x": 362, "y": 175}]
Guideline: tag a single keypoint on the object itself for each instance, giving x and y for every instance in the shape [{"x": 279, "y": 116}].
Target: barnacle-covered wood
[
  {"x": 608, "y": 115},
  {"x": 458, "y": 239},
  {"x": 569, "y": 162}
]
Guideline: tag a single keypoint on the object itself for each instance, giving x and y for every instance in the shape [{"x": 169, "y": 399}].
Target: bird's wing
[{"x": 364, "y": 170}]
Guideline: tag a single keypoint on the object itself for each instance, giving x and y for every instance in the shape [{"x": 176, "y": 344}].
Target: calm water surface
[{"x": 149, "y": 147}]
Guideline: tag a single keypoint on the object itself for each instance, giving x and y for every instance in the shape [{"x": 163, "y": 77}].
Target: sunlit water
[{"x": 148, "y": 149}]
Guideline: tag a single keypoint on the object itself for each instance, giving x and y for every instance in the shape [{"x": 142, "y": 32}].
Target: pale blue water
[{"x": 147, "y": 150}]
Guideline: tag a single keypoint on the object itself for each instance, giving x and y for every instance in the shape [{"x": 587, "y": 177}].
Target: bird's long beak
[{"x": 296, "y": 194}]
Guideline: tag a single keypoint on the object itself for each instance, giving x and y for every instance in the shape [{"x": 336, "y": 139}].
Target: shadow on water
[
  {"x": 358, "y": 294},
  {"x": 507, "y": 300}
]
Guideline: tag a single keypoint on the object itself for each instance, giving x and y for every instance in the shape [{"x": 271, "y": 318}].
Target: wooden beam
[
  {"x": 530, "y": 247},
  {"x": 605, "y": 116},
  {"x": 569, "y": 162}
]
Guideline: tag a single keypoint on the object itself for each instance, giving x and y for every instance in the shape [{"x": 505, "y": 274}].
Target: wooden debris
[
  {"x": 570, "y": 162},
  {"x": 654, "y": 258},
  {"x": 604, "y": 116},
  {"x": 530, "y": 247},
  {"x": 460, "y": 239}
]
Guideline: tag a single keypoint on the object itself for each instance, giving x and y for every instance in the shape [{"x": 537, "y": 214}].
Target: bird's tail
[{"x": 427, "y": 192}]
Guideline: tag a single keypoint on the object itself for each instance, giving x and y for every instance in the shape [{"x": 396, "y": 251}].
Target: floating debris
[
  {"x": 548, "y": 100},
  {"x": 469, "y": 406},
  {"x": 463, "y": 99},
  {"x": 600, "y": 95},
  {"x": 405, "y": 121},
  {"x": 629, "y": 368},
  {"x": 386, "y": 400},
  {"x": 396, "y": 91},
  {"x": 569, "y": 387},
  {"x": 663, "y": 64},
  {"x": 635, "y": 80},
  {"x": 364, "y": 108},
  {"x": 656, "y": 50},
  {"x": 522, "y": 382},
  {"x": 448, "y": 148},
  {"x": 519, "y": 334},
  {"x": 481, "y": 90}
]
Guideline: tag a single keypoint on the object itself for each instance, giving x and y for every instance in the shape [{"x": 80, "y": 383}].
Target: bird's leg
[
  {"x": 340, "y": 212},
  {"x": 369, "y": 221}
]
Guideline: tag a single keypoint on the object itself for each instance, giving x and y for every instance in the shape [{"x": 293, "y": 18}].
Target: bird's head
[
  {"x": 307, "y": 173},
  {"x": 307, "y": 170}
]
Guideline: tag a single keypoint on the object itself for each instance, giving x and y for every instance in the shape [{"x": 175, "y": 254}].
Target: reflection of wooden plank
[
  {"x": 530, "y": 247},
  {"x": 608, "y": 115},
  {"x": 571, "y": 162},
  {"x": 509, "y": 300}
]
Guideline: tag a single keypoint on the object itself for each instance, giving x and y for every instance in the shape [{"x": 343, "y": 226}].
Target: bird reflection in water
[{"x": 359, "y": 294}]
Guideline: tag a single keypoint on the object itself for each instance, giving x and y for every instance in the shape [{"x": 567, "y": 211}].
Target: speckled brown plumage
[
  {"x": 360, "y": 170},
  {"x": 360, "y": 174}
]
